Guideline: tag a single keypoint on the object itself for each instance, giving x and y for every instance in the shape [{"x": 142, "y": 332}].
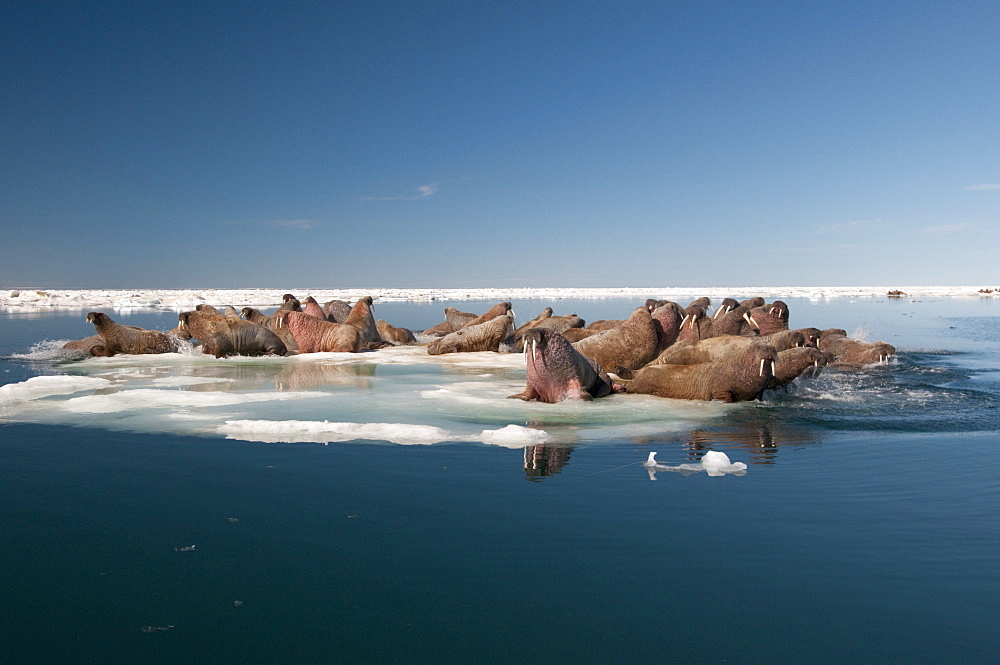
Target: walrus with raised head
[
  {"x": 127, "y": 339},
  {"x": 361, "y": 317},
  {"x": 556, "y": 371},
  {"x": 771, "y": 318}
]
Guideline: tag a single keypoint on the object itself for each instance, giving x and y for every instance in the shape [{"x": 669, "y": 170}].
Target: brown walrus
[
  {"x": 771, "y": 318},
  {"x": 312, "y": 308},
  {"x": 851, "y": 352},
  {"x": 223, "y": 336},
  {"x": 500, "y": 309},
  {"x": 361, "y": 317},
  {"x": 494, "y": 335},
  {"x": 314, "y": 335},
  {"x": 736, "y": 377},
  {"x": 290, "y": 302},
  {"x": 127, "y": 339},
  {"x": 261, "y": 319},
  {"x": 628, "y": 346},
  {"x": 394, "y": 335},
  {"x": 557, "y": 371},
  {"x": 337, "y": 310},
  {"x": 735, "y": 321},
  {"x": 797, "y": 361}
]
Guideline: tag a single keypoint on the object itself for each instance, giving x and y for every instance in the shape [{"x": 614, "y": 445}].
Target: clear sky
[{"x": 335, "y": 144}]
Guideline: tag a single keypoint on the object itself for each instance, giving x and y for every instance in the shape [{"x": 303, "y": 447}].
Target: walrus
[
  {"x": 440, "y": 329},
  {"x": 290, "y": 302},
  {"x": 694, "y": 352},
  {"x": 312, "y": 308},
  {"x": 750, "y": 303},
  {"x": 630, "y": 345},
  {"x": 556, "y": 324},
  {"x": 771, "y": 318},
  {"x": 223, "y": 336},
  {"x": 127, "y": 339},
  {"x": 85, "y": 344},
  {"x": 394, "y": 335},
  {"x": 557, "y": 371},
  {"x": 786, "y": 339},
  {"x": 361, "y": 318},
  {"x": 667, "y": 319},
  {"x": 704, "y": 302},
  {"x": 337, "y": 310},
  {"x": 576, "y": 334},
  {"x": 500, "y": 309},
  {"x": 737, "y": 377},
  {"x": 727, "y": 305},
  {"x": 851, "y": 352},
  {"x": 812, "y": 335},
  {"x": 695, "y": 325},
  {"x": 261, "y": 319},
  {"x": 457, "y": 319},
  {"x": 314, "y": 335},
  {"x": 544, "y": 314},
  {"x": 797, "y": 361},
  {"x": 494, "y": 335},
  {"x": 736, "y": 321}
]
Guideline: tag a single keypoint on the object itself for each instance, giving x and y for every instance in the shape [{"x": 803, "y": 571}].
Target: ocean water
[{"x": 392, "y": 507}]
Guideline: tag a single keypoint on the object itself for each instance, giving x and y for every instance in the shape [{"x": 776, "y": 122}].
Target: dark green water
[{"x": 865, "y": 529}]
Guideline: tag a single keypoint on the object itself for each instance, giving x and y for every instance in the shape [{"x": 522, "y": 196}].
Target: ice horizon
[{"x": 12, "y": 299}]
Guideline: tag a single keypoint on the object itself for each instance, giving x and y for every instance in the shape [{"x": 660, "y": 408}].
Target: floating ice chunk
[
  {"x": 47, "y": 386},
  {"x": 514, "y": 436},
  {"x": 717, "y": 464},
  {"x": 714, "y": 463}
]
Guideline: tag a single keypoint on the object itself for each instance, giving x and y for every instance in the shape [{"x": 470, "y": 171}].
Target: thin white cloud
[
  {"x": 422, "y": 192},
  {"x": 982, "y": 188},
  {"x": 851, "y": 225},
  {"x": 301, "y": 224},
  {"x": 946, "y": 229}
]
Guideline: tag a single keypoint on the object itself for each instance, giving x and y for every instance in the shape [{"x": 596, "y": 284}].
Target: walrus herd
[{"x": 662, "y": 349}]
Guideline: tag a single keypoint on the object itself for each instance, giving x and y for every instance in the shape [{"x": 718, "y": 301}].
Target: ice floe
[
  {"x": 185, "y": 299},
  {"x": 713, "y": 462}
]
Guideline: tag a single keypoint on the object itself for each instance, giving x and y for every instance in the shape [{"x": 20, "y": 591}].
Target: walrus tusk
[
  {"x": 761, "y": 367},
  {"x": 753, "y": 322},
  {"x": 684, "y": 320},
  {"x": 772, "y": 369},
  {"x": 534, "y": 350}
]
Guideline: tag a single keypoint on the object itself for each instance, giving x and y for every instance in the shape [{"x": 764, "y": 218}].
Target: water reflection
[{"x": 544, "y": 460}]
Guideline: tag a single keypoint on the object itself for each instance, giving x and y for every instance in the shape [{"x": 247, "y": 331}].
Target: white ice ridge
[
  {"x": 309, "y": 431},
  {"x": 713, "y": 462},
  {"x": 183, "y": 299}
]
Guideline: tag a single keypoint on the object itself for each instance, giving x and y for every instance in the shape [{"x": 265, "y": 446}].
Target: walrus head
[{"x": 98, "y": 318}]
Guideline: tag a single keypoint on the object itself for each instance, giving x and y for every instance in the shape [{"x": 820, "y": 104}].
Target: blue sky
[{"x": 450, "y": 144}]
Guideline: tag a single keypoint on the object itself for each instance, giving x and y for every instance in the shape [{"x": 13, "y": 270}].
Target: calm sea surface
[{"x": 140, "y": 525}]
